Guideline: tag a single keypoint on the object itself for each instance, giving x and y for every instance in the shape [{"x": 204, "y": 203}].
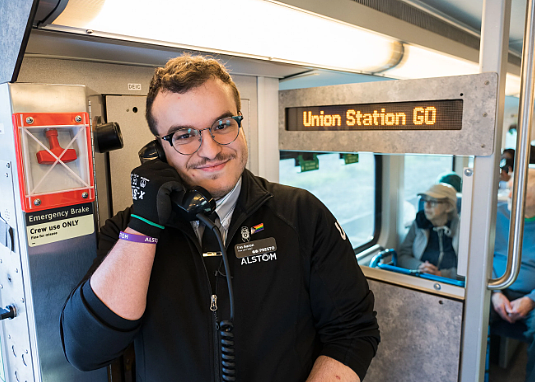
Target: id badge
[{"x": 255, "y": 248}]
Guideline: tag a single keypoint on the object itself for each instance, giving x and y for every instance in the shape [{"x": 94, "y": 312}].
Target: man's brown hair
[{"x": 182, "y": 74}]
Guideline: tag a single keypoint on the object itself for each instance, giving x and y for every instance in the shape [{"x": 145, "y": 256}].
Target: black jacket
[{"x": 304, "y": 299}]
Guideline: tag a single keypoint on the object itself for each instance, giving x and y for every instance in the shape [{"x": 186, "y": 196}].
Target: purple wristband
[{"x": 137, "y": 238}]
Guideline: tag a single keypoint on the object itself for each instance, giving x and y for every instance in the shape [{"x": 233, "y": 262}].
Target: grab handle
[{"x": 516, "y": 227}]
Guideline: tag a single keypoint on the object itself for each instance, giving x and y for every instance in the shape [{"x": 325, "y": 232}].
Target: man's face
[{"x": 215, "y": 167}]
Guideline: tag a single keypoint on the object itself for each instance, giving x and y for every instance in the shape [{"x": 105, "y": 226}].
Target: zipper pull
[{"x": 213, "y": 303}]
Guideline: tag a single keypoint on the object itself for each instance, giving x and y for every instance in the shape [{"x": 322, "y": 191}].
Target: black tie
[{"x": 211, "y": 250}]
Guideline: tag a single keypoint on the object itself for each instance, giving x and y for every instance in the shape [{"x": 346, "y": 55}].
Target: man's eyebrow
[{"x": 174, "y": 128}]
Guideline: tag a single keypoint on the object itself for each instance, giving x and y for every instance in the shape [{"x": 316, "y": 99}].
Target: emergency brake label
[{"x": 59, "y": 224}]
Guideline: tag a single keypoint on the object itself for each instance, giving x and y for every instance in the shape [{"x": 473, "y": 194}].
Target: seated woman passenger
[{"x": 433, "y": 239}]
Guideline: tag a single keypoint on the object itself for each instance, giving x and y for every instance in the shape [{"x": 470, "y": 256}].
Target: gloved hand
[{"x": 152, "y": 184}]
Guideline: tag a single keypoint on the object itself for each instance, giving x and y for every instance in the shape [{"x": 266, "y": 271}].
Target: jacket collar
[{"x": 252, "y": 195}]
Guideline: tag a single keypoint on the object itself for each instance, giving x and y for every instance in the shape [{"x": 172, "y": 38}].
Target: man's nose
[{"x": 209, "y": 147}]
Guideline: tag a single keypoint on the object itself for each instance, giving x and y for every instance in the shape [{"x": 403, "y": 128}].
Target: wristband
[{"x": 137, "y": 238}]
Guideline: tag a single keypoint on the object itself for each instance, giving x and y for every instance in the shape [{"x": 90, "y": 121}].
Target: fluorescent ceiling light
[
  {"x": 263, "y": 29},
  {"x": 259, "y": 28},
  {"x": 420, "y": 62},
  {"x": 424, "y": 63}
]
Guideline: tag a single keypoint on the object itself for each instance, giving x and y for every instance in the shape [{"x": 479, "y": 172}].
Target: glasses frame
[
  {"x": 169, "y": 137},
  {"x": 434, "y": 202}
]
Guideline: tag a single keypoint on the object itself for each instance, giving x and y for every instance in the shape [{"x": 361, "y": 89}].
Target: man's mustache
[{"x": 204, "y": 161}]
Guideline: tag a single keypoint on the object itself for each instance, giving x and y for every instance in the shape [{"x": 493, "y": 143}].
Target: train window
[
  {"x": 345, "y": 183},
  {"x": 420, "y": 172}
]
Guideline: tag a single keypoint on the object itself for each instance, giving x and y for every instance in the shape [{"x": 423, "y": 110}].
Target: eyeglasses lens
[{"x": 432, "y": 202}]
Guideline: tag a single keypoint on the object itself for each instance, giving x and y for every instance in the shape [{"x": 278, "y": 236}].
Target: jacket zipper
[{"x": 213, "y": 308}]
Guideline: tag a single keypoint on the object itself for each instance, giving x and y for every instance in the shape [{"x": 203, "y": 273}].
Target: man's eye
[
  {"x": 222, "y": 125},
  {"x": 183, "y": 135}
]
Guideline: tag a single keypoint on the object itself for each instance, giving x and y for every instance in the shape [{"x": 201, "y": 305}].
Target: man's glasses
[
  {"x": 188, "y": 140},
  {"x": 433, "y": 202}
]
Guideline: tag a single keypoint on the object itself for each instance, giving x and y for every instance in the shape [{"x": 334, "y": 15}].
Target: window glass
[
  {"x": 348, "y": 190},
  {"x": 421, "y": 171}
]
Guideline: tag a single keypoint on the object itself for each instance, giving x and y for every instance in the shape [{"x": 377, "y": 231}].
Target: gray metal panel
[
  {"x": 14, "y": 16},
  {"x": 16, "y": 348},
  {"x": 136, "y": 134},
  {"x": 37, "y": 279},
  {"x": 475, "y": 138},
  {"x": 420, "y": 336},
  {"x": 45, "y": 98},
  {"x": 56, "y": 269}
]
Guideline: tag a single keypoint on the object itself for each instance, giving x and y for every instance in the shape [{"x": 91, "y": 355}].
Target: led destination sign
[{"x": 420, "y": 115}]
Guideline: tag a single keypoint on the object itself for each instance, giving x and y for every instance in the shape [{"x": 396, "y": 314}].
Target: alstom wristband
[{"x": 137, "y": 238}]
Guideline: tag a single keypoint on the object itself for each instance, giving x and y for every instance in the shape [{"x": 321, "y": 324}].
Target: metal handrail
[{"x": 516, "y": 227}]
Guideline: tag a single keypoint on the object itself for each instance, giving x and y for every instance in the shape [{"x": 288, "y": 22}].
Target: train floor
[{"x": 515, "y": 371}]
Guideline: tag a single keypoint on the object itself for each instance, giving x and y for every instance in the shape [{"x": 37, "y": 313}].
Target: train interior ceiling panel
[{"x": 365, "y": 103}]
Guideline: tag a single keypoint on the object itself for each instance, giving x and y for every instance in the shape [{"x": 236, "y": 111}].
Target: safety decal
[{"x": 59, "y": 224}]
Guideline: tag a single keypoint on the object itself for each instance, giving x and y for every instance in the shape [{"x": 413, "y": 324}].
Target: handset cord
[{"x": 228, "y": 365}]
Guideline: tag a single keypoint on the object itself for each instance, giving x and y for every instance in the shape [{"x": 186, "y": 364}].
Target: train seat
[{"x": 505, "y": 339}]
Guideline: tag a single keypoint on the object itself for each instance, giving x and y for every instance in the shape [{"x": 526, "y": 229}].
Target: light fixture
[
  {"x": 256, "y": 28},
  {"x": 262, "y": 29},
  {"x": 421, "y": 62}
]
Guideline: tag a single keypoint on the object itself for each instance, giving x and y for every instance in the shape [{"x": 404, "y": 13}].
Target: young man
[{"x": 303, "y": 307}]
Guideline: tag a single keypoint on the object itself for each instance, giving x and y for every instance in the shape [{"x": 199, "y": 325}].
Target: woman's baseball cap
[{"x": 442, "y": 191}]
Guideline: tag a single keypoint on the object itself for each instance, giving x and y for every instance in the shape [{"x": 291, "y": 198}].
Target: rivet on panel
[
  {"x": 8, "y": 165},
  {"x": 37, "y": 202},
  {"x": 22, "y": 300},
  {"x": 485, "y": 114},
  {"x": 437, "y": 286},
  {"x": 16, "y": 270},
  {"x": 29, "y": 120},
  {"x": 78, "y": 118},
  {"x": 89, "y": 31},
  {"x": 487, "y": 82},
  {"x": 85, "y": 195}
]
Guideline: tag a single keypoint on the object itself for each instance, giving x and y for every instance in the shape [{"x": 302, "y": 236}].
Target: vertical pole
[{"x": 493, "y": 58}]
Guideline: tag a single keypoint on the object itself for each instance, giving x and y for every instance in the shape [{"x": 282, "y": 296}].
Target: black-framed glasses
[
  {"x": 433, "y": 202},
  {"x": 187, "y": 141}
]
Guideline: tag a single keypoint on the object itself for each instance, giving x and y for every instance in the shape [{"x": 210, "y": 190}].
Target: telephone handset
[
  {"x": 188, "y": 205},
  {"x": 196, "y": 204}
]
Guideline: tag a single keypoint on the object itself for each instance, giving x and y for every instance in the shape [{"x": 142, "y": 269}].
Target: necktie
[{"x": 211, "y": 251}]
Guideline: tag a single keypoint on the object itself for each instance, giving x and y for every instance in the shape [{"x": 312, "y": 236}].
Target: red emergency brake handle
[{"x": 44, "y": 157}]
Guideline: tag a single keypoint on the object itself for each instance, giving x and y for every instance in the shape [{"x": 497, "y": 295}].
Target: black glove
[{"x": 152, "y": 184}]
